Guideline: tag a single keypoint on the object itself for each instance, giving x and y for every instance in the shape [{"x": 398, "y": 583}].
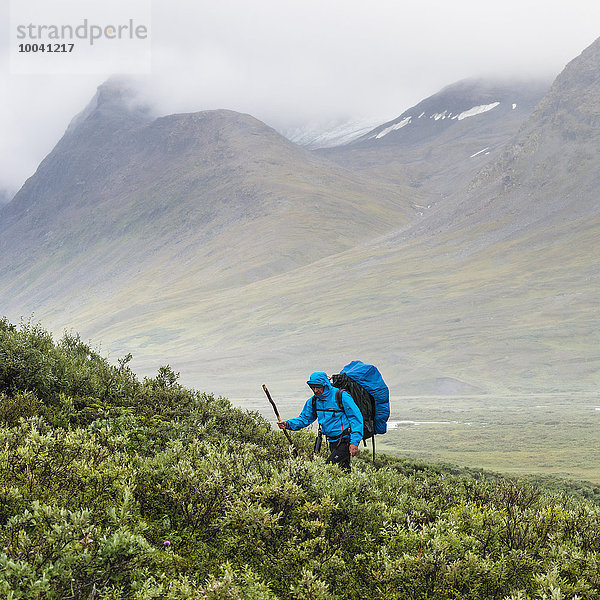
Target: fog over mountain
[
  {"x": 454, "y": 246},
  {"x": 292, "y": 64}
]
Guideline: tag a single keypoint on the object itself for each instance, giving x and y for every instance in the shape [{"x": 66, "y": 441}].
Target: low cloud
[{"x": 291, "y": 63}]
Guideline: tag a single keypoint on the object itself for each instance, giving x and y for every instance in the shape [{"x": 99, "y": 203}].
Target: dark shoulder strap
[{"x": 338, "y": 399}]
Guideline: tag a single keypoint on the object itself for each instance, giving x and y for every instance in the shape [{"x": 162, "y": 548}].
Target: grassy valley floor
[{"x": 552, "y": 434}]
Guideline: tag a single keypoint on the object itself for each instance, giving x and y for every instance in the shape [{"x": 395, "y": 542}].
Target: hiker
[{"x": 343, "y": 428}]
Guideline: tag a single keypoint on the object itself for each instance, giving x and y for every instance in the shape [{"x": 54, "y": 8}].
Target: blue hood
[{"x": 319, "y": 378}]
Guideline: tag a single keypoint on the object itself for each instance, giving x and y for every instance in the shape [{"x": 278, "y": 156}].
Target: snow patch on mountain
[
  {"x": 436, "y": 116},
  {"x": 393, "y": 127},
  {"x": 480, "y": 152},
  {"x": 476, "y": 110}
]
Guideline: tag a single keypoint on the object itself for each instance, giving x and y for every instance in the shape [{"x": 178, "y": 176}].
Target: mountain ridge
[{"x": 461, "y": 100}]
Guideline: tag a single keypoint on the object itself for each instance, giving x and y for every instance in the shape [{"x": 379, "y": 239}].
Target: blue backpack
[{"x": 370, "y": 393}]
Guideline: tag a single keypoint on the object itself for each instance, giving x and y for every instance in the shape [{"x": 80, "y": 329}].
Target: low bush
[{"x": 115, "y": 488}]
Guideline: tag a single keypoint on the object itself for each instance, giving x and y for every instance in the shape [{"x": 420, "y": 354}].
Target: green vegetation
[{"x": 114, "y": 488}]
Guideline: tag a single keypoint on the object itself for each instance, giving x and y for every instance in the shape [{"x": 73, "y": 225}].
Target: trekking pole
[{"x": 287, "y": 433}]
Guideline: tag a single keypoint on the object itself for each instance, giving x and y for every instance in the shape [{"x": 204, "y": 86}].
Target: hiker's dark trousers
[{"x": 340, "y": 453}]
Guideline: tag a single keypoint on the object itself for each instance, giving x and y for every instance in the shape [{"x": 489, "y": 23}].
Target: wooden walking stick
[{"x": 279, "y": 420}]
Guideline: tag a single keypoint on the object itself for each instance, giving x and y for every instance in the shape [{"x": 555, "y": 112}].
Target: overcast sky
[{"x": 290, "y": 62}]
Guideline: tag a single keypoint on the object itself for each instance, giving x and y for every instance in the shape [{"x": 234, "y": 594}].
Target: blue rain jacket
[{"x": 332, "y": 420}]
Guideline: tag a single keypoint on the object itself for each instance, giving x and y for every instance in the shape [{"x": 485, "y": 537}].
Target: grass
[{"x": 551, "y": 434}]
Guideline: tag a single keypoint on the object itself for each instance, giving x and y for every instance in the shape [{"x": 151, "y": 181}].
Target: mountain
[
  {"x": 439, "y": 144},
  {"x": 453, "y": 106},
  {"x": 210, "y": 242},
  {"x": 135, "y": 207},
  {"x": 494, "y": 290},
  {"x": 547, "y": 176},
  {"x": 497, "y": 286}
]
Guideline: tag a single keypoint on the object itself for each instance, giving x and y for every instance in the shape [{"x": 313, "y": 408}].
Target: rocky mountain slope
[{"x": 439, "y": 144}]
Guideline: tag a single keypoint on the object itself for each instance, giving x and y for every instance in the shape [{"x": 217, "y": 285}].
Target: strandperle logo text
[{"x": 83, "y": 31}]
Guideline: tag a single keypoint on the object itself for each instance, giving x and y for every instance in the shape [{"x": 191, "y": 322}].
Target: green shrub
[
  {"x": 112, "y": 488},
  {"x": 57, "y": 553}
]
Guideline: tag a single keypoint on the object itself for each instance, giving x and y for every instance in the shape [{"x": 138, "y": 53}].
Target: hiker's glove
[
  {"x": 282, "y": 424},
  {"x": 353, "y": 450}
]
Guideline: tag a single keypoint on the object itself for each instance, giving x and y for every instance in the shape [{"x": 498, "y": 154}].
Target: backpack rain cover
[{"x": 370, "y": 378}]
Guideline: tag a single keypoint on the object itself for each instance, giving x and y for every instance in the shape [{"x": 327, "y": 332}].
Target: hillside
[
  {"x": 117, "y": 488},
  {"x": 493, "y": 290},
  {"x": 128, "y": 203}
]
